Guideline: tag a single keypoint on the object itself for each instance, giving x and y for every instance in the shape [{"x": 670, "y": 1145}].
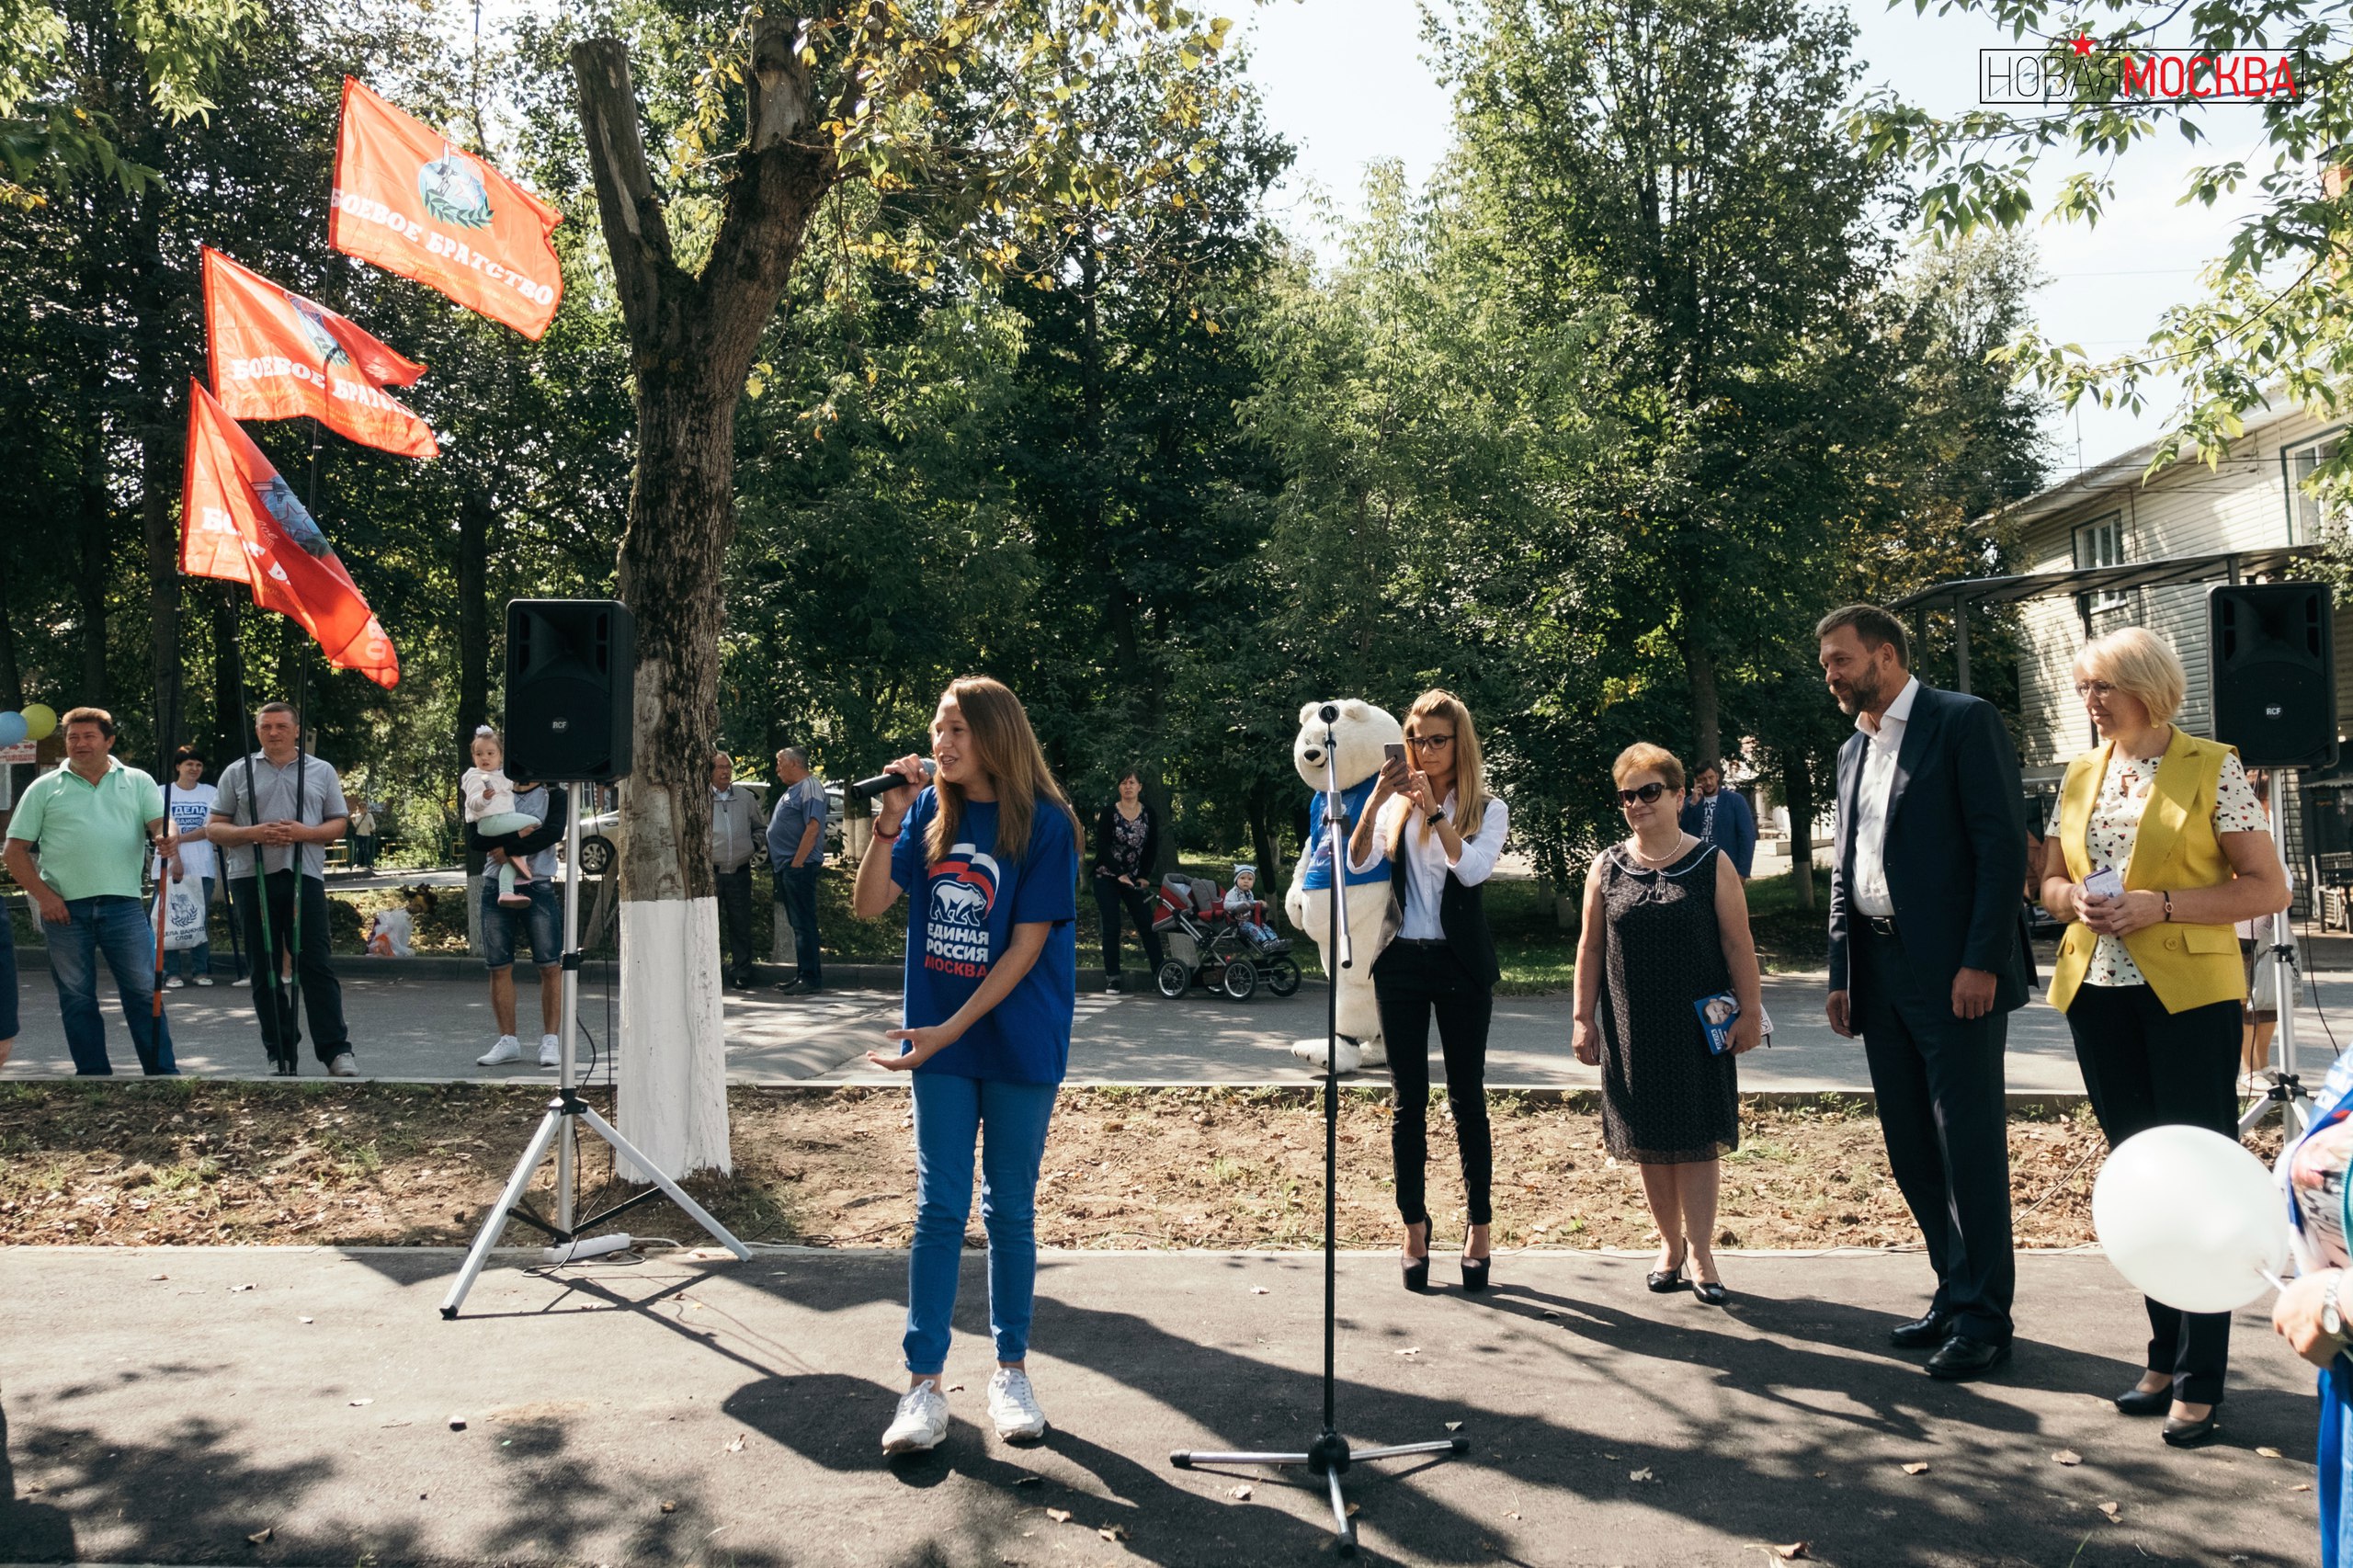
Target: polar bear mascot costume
[{"x": 1357, "y": 740}]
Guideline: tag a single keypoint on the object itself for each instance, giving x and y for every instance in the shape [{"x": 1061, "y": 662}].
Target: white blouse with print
[{"x": 2116, "y": 822}]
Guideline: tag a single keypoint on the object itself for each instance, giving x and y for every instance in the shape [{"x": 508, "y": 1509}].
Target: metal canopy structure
[{"x": 1959, "y": 595}]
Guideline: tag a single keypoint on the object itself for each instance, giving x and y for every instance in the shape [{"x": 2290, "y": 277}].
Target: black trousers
[
  {"x": 2145, "y": 1067},
  {"x": 1412, "y": 982},
  {"x": 281, "y": 1034},
  {"x": 735, "y": 920},
  {"x": 1110, "y": 895},
  {"x": 1937, "y": 1079}
]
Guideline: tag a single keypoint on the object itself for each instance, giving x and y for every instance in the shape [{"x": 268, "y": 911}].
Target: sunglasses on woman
[{"x": 1646, "y": 794}]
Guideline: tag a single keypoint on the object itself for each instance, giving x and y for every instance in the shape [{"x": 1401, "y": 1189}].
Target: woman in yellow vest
[{"x": 2149, "y": 976}]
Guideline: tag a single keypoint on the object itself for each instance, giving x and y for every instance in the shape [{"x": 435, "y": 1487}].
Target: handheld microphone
[{"x": 867, "y": 788}]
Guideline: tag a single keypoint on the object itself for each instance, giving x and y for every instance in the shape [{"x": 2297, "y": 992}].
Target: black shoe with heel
[
  {"x": 1417, "y": 1269},
  {"x": 1474, "y": 1273},
  {"x": 1665, "y": 1281},
  {"x": 2134, "y": 1401}
]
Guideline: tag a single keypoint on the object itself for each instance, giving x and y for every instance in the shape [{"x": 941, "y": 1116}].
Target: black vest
[{"x": 1461, "y": 915}]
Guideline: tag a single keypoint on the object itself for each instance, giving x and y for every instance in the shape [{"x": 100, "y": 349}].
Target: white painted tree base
[{"x": 670, "y": 1061}]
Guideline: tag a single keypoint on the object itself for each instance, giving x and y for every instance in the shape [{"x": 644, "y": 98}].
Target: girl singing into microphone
[{"x": 990, "y": 851}]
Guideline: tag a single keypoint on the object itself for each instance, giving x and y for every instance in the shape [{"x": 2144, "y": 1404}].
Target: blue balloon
[{"x": 12, "y": 729}]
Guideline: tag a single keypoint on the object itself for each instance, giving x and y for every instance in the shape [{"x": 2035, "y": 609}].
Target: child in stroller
[
  {"x": 1208, "y": 938},
  {"x": 1249, "y": 916}
]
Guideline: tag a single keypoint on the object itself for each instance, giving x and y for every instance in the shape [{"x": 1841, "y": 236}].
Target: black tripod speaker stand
[
  {"x": 1329, "y": 1455},
  {"x": 556, "y": 1127}
]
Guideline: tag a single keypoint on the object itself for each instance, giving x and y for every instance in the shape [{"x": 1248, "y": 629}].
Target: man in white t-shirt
[{"x": 192, "y": 807}]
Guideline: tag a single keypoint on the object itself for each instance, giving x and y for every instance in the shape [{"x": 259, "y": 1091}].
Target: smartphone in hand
[{"x": 1395, "y": 752}]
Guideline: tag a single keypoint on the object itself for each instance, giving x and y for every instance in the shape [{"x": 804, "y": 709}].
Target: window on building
[
  {"x": 2101, "y": 543},
  {"x": 2312, "y": 519}
]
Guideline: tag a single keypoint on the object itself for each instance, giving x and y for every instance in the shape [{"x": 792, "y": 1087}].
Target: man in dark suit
[{"x": 1927, "y": 960}]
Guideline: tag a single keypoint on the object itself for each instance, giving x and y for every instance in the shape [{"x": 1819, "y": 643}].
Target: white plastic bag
[{"x": 182, "y": 903}]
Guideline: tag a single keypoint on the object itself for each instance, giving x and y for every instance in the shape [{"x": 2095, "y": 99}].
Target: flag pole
[{"x": 294, "y": 851}]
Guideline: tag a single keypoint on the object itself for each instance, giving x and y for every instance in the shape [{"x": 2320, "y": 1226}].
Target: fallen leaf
[
  {"x": 310, "y": 1319},
  {"x": 955, "y": 1387},
  {"x": 1354, "y": 1508},
  {"x": 1917, "y": 1468},
  {"x": 1410, "y": 1350},
  {"x": 2111, "y": 1510},
  {"x": 1257, "y": 1289},
  {"x": 1060, "y": 1516},
  {"x": 1510, "y": 1516},
  {"x": 235, "y": 1289},
  {"x": 668, "y": 1507},
  {"x": 258, "y": 1536},
  {"x": 159, "y": 1277},
  {"x": 357, "y": 1403},
  {"x": 1454, "y": 1426},
  {"x": 456, "y": 1423},
  {"x": 1243, "y": 1493},
  {"x": 2299, "y": 1486},
  {"x": 2268, "y": 1453},
  {"x": 1642, "y": 1474},
  {"x": 1794, "y": 1552},
  {"x": 1550, "y": 1313},
  {"x": 1113, "y": 1532},
  {"x": 735, "y": 1444},
  {"x": 1028, "y": 1481},
  {"x": 2066, "y": 1455}
]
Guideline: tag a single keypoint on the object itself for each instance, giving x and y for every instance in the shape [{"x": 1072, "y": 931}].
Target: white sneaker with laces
[
  {"x": 203, "y": 980},
  {"x": 173, "y": 983},
  {"x": 508, "y": 1049},
  {"x": 550, "y": 1050},
  {"x": 1012, "y": 1405},
  {"x": 922, "y": 1421}
]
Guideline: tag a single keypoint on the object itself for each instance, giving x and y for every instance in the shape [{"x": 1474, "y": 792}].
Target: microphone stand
[{"x": 1329, "y": 1456}]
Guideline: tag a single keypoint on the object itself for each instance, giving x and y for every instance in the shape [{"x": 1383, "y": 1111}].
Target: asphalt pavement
[{"x": 287, "y": 1405}]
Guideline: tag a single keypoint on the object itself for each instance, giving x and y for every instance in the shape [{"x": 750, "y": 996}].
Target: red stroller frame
[{"x": 1205, "y": 944}]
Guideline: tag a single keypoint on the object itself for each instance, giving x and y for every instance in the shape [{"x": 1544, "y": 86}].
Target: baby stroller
[{"x": 1203, "y": 943}]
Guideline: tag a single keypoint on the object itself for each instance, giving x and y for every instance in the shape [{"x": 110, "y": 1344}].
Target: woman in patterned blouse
[
  {"x": 1127, "y": 846},
  {"x": 2158, "y": 848}
]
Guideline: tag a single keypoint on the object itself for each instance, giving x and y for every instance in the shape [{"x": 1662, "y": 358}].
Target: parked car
[{"x": 597, "y": 832}]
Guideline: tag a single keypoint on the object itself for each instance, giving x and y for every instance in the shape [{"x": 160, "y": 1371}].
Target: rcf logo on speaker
[{"x": 2090, "y": 74}]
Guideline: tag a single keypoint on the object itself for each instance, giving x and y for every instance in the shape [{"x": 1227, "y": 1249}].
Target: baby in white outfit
[{"x": 489, "y": 797}]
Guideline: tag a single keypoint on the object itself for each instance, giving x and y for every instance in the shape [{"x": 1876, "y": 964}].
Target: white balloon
[{"x": 2192, "y": 1218}]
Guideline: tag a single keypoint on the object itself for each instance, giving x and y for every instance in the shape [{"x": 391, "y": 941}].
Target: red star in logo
[{"x": 2081, "y": 43}]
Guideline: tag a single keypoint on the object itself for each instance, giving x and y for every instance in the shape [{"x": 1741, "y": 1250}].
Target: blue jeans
[
  {"x": 542, "y": 925},
  {"x": 116, "y": 926},
  {"x": 190, "y": 963},
  {"x": 951, "y": 1114},
  {"x": 796, "y": 890}
]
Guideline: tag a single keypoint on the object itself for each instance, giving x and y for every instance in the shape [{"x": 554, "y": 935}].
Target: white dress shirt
[
  {"x": 1885, "y": 738},
  {"x": 1425, "y": 862}
]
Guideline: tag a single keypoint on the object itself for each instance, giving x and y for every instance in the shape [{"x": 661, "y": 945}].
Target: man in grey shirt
[
  {"x": 736, "y": 823},
  {"x": 796, "y": 851},
  {"x": 285, "y": 808}
]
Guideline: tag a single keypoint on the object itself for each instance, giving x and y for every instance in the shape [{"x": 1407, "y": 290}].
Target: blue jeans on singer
[
  {"x": 190, "y": 962},
  {"x": 118, "y": 928},
  {"x": 1009, "y": 1121}
]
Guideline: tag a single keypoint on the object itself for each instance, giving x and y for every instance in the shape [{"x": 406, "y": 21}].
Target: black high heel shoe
[
  {"x": 1417, "y": 1271},
  {"x": 2134, "y": 1401},
  {"x": 1474, "y": 1273},
  {"x": 1665, "y": 1281}
]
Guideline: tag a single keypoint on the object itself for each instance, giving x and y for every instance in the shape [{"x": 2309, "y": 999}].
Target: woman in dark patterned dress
[
  {"x": 1667, "y": 925},
  {"x": 1127, "y": 845}
]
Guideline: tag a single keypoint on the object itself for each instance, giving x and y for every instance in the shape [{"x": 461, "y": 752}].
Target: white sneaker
[
  {"x": 203, "y": 980},
  {"x": 1012, "y": 1405},
  {"x": 922, "y": 1421},
  {"x": 508, "y": 1049},
  {"x": 550, "y": 1050},
  {"x": 344, "y": 1065},
  {"x": 173, "y": 983}
]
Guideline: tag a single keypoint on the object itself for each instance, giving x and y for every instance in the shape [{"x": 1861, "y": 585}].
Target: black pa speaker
[
  {"x": 571, "y": 665},
  {"x": 2273, "y": 668}
]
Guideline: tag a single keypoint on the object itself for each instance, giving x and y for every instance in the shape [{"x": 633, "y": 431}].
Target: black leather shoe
[
  {"x": 2189, "y": 1434},
  {"x": 1711, "y": 1292},
  {"x": 1665, "y": 1282},
  {"x": 2133, "y": 1402},
  {"x": 1922, "y": 1333},
  {"x": 1417, "y": 1271},
  {"x": 1474, "y": 1273},
  {"x": 1963, "y": 1357}
]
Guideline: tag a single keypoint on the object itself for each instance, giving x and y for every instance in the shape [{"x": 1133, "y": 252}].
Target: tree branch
[
  {"x": 780, "y": 85},
  {"x": 636, "y": 233}
]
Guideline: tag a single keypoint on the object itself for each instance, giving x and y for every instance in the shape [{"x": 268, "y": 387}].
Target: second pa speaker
[
  {"x": 571, "y": 665},
  {"x": 2273, "y": 667}
]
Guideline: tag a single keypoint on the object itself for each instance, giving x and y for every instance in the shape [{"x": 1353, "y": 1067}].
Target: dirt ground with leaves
[{"x": 416, "y": 1164}]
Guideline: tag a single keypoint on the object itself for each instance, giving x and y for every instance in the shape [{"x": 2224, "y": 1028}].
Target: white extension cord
[{"x": 591, "y": 1247}]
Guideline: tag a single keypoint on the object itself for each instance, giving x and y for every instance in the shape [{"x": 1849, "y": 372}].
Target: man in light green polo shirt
[{"x": 91, "y": 823}]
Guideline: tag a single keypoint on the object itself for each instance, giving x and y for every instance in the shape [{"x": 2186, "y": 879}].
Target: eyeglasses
[
  {"x": 1429, "y": 742},
  {"x": 1647, "y": 794},
  {"x": 2088, "y": 689}
]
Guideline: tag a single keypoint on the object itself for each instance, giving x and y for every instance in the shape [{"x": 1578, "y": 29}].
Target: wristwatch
[
  {"x": 2331, "y": 1322},
  {"x": 1435, "y": 818}
]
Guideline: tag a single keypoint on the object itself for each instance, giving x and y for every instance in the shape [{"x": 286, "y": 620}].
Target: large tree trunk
[
  {"x": 228, "y": 680},
  {"x": 1797, "y": 791},
  {"x": 692, "y": 339},
  {"x": 1707, "y": 736},
  {"x": 473, "y": 663},
  {"x": 159, "y": 464},
  {"x": 12, "y": 677}
]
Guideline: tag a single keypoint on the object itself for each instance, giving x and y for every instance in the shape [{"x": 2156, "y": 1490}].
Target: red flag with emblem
[
  {"x": 411, "y": 201},
  {"x": 242, "y": 522},
  {"x": 278, "y": 356}
]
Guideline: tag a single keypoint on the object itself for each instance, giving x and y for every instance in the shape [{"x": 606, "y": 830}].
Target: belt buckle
[{"x": 1881, "y": 924}]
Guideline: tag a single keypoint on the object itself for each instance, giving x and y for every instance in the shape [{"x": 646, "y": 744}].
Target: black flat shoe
[
  {"x": 2189, "y": 1434},
  {"x": 1711, "y": 1292},
  {"x": 1924, "y": 1333},
  {"x": 1667, "y": 1281},
  {"x": 1474, "y": 1273},
  {"x": 2133, "y": 1402},
  {"x": 1963, "y": 1357}
]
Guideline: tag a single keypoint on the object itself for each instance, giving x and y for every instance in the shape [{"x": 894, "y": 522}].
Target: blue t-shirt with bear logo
[{"x": 961, "y": 915}]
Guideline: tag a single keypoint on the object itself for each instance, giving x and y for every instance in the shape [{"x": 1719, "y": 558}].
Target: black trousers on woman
[
  {"x": 1414, "y": 982},
  {"x": 1109, "y": 894},
  {"x": 2145, "y": 1067}
]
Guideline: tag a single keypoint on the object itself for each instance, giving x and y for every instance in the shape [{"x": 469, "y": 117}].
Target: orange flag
[
  {"x": 412, "y": 203},
  {"x": 239, "y": 520},
  {"x": 276, "y": 356}
]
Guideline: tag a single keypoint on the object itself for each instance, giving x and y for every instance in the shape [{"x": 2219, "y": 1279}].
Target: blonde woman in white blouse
[{"x": 2158, "y": 848}]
